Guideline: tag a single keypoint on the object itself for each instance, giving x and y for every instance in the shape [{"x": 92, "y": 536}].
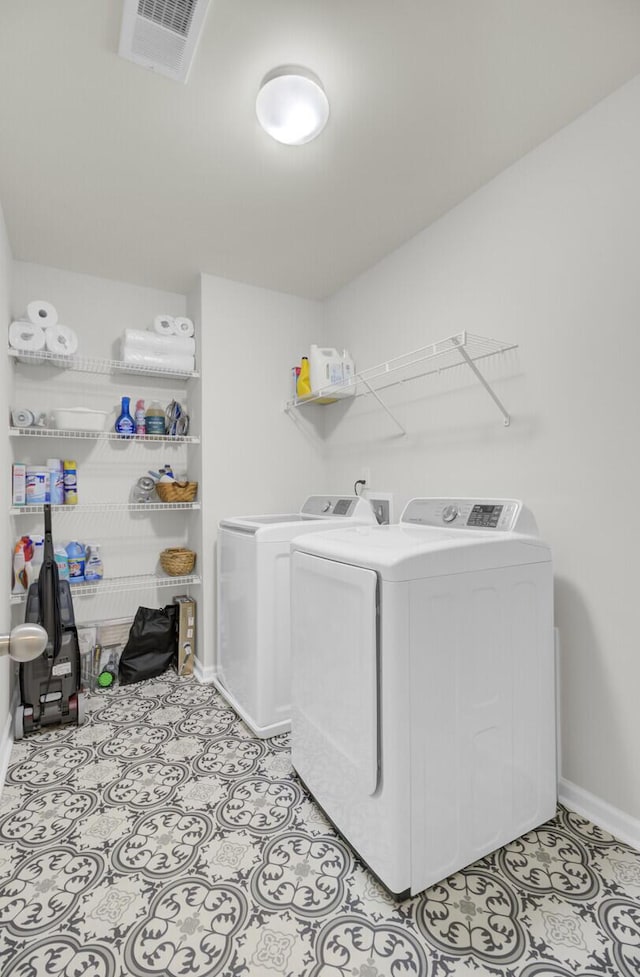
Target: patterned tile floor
[{"x": 160, "y": 839}]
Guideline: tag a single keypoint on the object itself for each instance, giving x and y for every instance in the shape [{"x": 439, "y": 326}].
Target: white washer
[
  {"x": 423, "y": 700},
  {"x": 253, "y": 634}
]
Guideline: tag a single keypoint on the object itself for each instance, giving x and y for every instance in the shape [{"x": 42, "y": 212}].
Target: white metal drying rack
[
  {"x": 115, "y": 585},
  {"x": 51, "y": 432},
  {"x": 462, "y": 349},
  {"x": 84, "y": 364},
  {"x": 32, "y": 510}
]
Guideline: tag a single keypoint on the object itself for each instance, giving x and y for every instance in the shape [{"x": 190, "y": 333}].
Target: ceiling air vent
[{"x": 162, "y": 35}]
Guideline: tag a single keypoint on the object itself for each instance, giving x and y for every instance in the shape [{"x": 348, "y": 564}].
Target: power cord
[{"x": 360, "y": 481}]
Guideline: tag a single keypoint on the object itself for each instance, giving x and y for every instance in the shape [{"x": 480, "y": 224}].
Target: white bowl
[{"x": 79, "y": 419}]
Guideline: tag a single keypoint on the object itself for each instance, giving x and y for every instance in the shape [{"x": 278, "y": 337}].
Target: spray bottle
[{"x": 140, "y": 423}]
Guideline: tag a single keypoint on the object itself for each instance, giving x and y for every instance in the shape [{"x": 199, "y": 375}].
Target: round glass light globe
[{"x": 292, "y": 106}]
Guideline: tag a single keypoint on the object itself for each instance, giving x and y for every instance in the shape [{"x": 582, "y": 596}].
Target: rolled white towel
[
  {"x": 41, "y": 313},
  {"x": 61, "y": 340},
  {"x": 26, "y": 336},
  {"x": 183, "y": 326},
  {"x": 163, "y": 325},
  {"x": 183, "y": 363},
  {"x": 151, "y": 342}
]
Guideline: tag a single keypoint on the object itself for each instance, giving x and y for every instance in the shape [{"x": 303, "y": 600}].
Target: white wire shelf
[
  {"x": 462, "y": 349},
  {"x": 115, "y": 585},
  {"x": 33, "y": 510},
  {"x": 82, "y": 364},
  {"x": 50, "y": 432}
]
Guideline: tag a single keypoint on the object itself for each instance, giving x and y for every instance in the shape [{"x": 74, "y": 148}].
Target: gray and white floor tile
[{"x": 161, "y": 840}]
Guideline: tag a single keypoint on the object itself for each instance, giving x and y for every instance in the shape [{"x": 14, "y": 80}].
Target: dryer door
[{"x": 335, "y": 676}]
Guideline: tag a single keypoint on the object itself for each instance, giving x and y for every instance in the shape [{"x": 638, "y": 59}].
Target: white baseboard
[
  {"x": 6, "y": 738},
  {"x": 6, "y": 743},
  {"x": 616, "y": 822},
  {"x": 203, "y": 674}
]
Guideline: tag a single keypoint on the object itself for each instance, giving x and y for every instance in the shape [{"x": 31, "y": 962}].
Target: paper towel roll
[
  {"x": 183, "y": 363},
  {"x": 22, "y": 417},
  {"x": 183, "y": 326},
  {"x": 163, "y": 325},
  {"x": 151, "y": 342},
  {"x": 42, "y": 313},
  {"x": 26, "y": 336},
  {"x": 61, "y": 340}
]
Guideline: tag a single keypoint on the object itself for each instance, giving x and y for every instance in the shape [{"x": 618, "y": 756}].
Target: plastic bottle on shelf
[
  {"x": 62, "y": 562},
  {"x": 75, "y": 553},
  {"x": 154, "y": 419},
  {"x": 303, "y": 387},
  {"x": 295, "y": 373},
  {"x": 141, "y": 427},
  {"x": 125, "y": 423},
  {"x": 38, "y": 557},
  {"x": 56, "y": 481},
  {"x": 93, "y": 568},
  {"x": 70, "y": 474},
  {"x": 348, "y": 367},
  {"x": 20, "y": 573}
]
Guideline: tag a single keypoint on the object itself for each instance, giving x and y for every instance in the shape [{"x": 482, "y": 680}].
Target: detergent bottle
[
  {"x": 125, "y": 423},
  {"x": 154, "y": 419},
  {"x": 75, "y": 553},
  {"x": 303, "y": 387},
  {"x": 93, "y": 568},
  {"x": 62, "y": 562}
]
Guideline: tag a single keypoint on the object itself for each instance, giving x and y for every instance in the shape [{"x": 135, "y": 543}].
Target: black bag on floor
[{"x": 152, "y": 644}]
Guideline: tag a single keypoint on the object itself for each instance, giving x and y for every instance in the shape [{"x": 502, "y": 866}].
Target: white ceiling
[{"x": 109, "y": 169}]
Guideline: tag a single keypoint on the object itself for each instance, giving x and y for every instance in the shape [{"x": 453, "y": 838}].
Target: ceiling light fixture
[{"x": 292, "y": 105}]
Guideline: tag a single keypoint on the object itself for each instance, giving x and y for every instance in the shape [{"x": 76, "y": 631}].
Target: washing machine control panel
[
  {"x": 349, "y": 506},
  {"x": 450, "y": 513},
  {"x": 485, "y": 515},
  {"x": 495, "y": 514}
]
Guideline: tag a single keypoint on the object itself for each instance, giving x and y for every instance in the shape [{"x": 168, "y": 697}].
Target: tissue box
[{"x": 186, "y": 634}]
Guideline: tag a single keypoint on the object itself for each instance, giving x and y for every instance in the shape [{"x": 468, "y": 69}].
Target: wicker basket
[
  {"x": 177, "y": 561},
  {"x": 177, "y": 491}
]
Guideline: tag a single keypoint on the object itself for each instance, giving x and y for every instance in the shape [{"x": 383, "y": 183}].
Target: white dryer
[
  {"x": 423, "y": 699},
  {"x": 253, "y": 633}
]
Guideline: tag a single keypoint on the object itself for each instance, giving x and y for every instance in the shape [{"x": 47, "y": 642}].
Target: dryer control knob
[
  {"x": 326, "y": 507},
  {"x": 449, "y": 513}
]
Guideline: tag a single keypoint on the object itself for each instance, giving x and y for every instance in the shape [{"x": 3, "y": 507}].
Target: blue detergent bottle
[
  {"x": 125, "y": 423},
  {"x": 76, "y": 557}
]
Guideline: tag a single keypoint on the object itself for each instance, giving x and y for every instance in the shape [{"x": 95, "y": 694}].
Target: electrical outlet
[
  {"x": 382, "y": 503},
  {"x": 381, "y": 511}
]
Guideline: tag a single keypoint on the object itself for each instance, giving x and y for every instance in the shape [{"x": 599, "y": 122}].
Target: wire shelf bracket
[{"x": 461, "y": 349}]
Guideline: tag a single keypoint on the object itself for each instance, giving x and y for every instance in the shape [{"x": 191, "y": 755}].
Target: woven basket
[
  {"x": 177, "y": 561},
  {"x": 177, "y": 491}
]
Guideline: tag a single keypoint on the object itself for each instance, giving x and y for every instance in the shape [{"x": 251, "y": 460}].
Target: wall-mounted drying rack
[{"x": 462, "y": 349}]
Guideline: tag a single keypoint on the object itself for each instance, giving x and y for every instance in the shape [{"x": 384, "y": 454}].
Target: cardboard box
[{"x": 186, "y": 634}]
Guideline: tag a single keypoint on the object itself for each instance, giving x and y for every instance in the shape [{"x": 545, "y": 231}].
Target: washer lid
[
  {"x": 406, "y": 552},
  {"x": 319, "y": 512}
]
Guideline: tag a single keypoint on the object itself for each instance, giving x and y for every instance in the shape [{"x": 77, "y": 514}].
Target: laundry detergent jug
[{"x": 329, "y": 368}]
